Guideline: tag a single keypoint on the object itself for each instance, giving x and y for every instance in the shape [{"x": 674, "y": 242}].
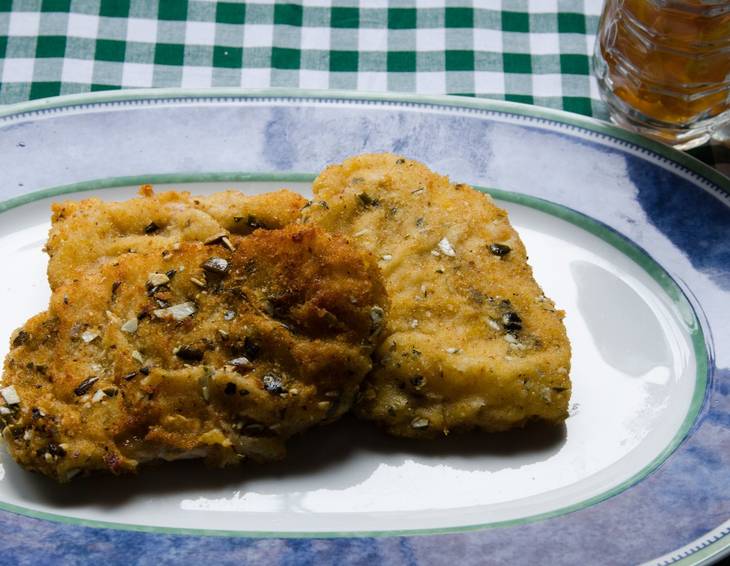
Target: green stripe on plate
[{"x": 596, "y": 228}]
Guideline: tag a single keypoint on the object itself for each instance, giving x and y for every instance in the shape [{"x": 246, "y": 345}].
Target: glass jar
[{"x": 663, "y": 67}]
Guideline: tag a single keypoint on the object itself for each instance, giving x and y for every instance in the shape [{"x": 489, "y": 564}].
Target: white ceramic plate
[{"x": 601, "y": 244}]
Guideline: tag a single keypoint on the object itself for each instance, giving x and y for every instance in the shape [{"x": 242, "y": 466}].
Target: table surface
[{"x": 531, "y": 51}]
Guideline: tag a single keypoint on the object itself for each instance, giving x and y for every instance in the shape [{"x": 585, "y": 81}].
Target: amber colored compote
[{"x": 663, "y": 67}]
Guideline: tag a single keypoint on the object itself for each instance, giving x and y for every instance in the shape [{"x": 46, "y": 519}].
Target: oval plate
[{"x": 629, "y": 237}]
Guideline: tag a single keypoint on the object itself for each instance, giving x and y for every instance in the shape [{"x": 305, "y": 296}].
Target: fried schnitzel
[
  {"x": 90, "y": 230},
  {"x": 471, "y": 340},
  {"x": 221, "y": 351}
]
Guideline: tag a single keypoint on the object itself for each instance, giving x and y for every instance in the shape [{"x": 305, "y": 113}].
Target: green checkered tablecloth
[{"x": 533, "y": 51}]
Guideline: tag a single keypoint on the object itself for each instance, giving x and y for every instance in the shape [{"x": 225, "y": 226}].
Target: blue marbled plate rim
[{"x": 702, "y": 548}]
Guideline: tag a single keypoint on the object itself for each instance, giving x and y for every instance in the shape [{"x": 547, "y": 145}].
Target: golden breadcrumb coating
[
  {"x": 471, "y": 341},
  {"x": 85, "y": 232},
  {"x": 221, "y": 351}
]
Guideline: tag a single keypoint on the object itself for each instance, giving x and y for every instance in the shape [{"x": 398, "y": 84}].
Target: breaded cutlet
[
  {"x": 90, "y": 230},
  {"x": 471, "y": 340},
  {"x": 216, "y": 351}
]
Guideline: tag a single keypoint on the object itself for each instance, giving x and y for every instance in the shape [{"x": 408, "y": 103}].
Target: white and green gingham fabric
[{"x": 533, "y": 51}]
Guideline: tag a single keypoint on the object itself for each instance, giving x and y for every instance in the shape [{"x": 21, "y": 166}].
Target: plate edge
[{"x": 47, "y": 105}]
